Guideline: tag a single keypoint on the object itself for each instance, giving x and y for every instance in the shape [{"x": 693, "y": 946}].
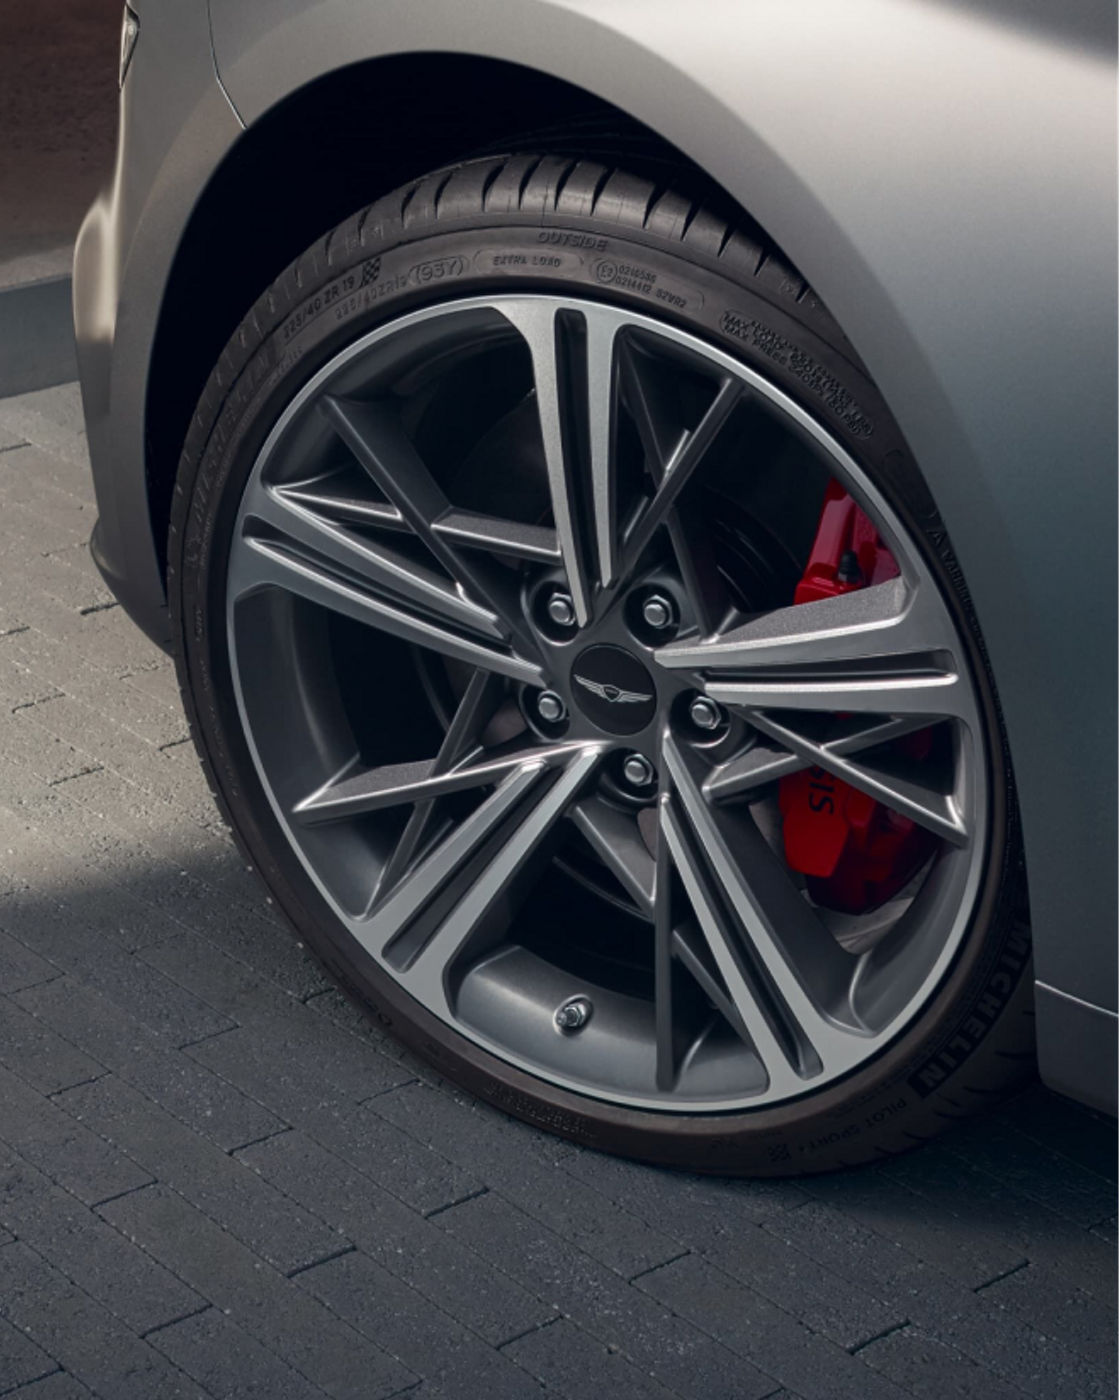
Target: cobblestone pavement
[{"x": 217, "y": 1180}]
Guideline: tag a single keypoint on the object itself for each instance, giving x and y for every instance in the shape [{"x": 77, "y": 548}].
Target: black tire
[{"x": 526, "y": 222}]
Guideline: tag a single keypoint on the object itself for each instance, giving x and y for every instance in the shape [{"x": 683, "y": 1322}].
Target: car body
[{"x": 943, "y": 174}]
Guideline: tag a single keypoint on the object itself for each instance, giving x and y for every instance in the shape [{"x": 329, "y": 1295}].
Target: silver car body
[{"x": 942, "y": 173}]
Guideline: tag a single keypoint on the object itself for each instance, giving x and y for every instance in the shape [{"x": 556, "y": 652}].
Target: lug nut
[
  {"x": 657, "y": 611},
  {"x": 551, "y": 707},
  {"x": 638, "y": 771},
  {"x": 561, "y": 609},
  {"x": 574, "y": 1014},
  {"x": 705, "y": 713}
]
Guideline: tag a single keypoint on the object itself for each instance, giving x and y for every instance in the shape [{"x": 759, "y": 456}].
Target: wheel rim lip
[{"x": 913, "y": 569}]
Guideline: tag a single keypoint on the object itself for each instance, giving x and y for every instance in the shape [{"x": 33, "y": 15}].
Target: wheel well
[{"x": 325, "y": 151}]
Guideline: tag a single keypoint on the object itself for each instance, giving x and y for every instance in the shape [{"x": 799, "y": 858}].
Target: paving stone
[
  {"x": 220, "y": 1186},
  {"x": 458, "y": 1365},
  {"x": 568, "y": 1360},
  {"x": 68, "y": 1235},
  {"x": 285, "y": 1030},
  {"x": 451, "y": 1276},
  {"x": 768, "y": 1337},
  {"x": 930, "y": 1370},
  {"x": 522, "y": 1165},
  {"x": 322, "y": 1100},
  {"x": 19, "y": 966},
  {"x": 33, "y": 1051},
  {"x": 1038, "y": 1296},
  {"x": 67, "y": 935},
  {"x": 933, "y": 1300},
  {"x": 57, "y": 1386},
  {"x": 260, "y": 1301},
  {"x": 85, "y": 1338},
  {"x": 64, "y": 1150},
  {"x": 883, "y": 1203},
  {"x": 228, "y": 1362},
  {"x": 620, "y": 1317},
  {"x": 21, "y": 1360},
  {"x": 178, "y": 1083}
]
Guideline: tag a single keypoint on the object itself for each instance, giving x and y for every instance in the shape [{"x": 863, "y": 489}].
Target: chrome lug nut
[
  {"x": 574, "y": 1014},
  {"x": 551, "y": 707},
  {"x": 705, "y": 713},
  {"x": 561, "y": 609},
  {"x": 657, "y": 611},
  {"x": 638, "y": 771}
]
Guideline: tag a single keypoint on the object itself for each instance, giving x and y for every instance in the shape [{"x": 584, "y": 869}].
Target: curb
[{"x": 36, "y": 326}]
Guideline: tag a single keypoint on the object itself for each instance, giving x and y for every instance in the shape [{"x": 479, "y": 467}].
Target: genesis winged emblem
[{"x": 613, "y": 693}]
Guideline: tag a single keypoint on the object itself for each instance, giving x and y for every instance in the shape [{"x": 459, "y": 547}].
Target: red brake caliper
[{"x": 855, "y": 852}]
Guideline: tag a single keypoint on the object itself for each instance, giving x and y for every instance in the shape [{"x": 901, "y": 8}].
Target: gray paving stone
[
  {"x": 90, "y": 1253},
  {"x": 57, "y": 1386},
  {"x": 182, "y": 1086},
  {"x": 34, "y": 1052},
  {"x": 228, "y": 1362},
  {"x": 220, "y": 1186},
  {"x": 21, "y": 1359},
  {"x": 69, "y": 1154},
  {"x": 930, "y": 1370},
  {"x": 260, "y": 1301},
  {"x": 457, "y": 1364},
  {"x": 449, "y": 1275},
  {"x": 769, "y": 1338},
  {"x": 86, "y": 1339},
  {"x": 19, "y": 966},
  {"x": 988, "y": 1211},
  {"x": 67, "y": 935},
  {"x": 883, "y": 1203},
  {"x": 568, "y": 1360},
  {"x": 283, "y": 1027},
  {"x": 320, "y": 1099},
  {"x": 1041, "y": 1298},
  {"x": 939, "y": 1304},
  {"x": 522, "y": 1164},
  {"x": 620, "y": 1317}
]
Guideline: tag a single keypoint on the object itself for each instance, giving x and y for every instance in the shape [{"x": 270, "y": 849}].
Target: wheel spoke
[
  {"x": 397, "y": 784},
  {"x": 374, "y": 434},
  {"x": 768, "y": 942},
  {"x": 574, "y": 377},
  {"x": 674, "y": 473},
  {"x": 480, "y": 701},
  {"x": 885, "y": 649},
  {"x": 469, "y": 884},
  {"x": 615, "y": 838},
  {"x": 265, "y": 563},
  {"x": 317, "y": 545},
  {"x": 922, "y": 801}
]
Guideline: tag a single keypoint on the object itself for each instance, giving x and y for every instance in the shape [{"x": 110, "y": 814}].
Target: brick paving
[{"x": 217, "y": 1180}]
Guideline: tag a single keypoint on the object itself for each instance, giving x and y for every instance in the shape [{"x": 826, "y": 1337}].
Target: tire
[{"x": 563, "y": 233}]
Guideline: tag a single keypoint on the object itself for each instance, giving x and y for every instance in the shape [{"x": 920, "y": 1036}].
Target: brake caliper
[{"x": 854, "y": 852}]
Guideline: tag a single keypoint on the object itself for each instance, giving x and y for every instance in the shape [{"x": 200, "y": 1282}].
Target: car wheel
[{"x": 576, "y": 652}]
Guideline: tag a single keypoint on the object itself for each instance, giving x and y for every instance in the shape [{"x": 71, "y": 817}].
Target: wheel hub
[{"x": 614, "y": 690}]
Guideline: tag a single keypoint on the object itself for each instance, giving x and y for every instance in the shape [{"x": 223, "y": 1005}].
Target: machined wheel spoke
[
  {"x": 297, "y": 532},
  {"x": 267, "y": 563},
  {"x": 756, "y": 919},
  {"x": 469, "y": 882},
  {"x": 574, "y": 375},
  {"x": 907, "y": 793},
  {"x": 885, "y": 649},
  {"x": 615, "y": 838},
  {"x": 675, "y": 472},
  {"x": 373, "y": 432},
  {"x": 396, "y": 784}
]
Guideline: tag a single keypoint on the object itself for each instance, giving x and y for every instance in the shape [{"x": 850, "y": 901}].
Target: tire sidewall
[{"x": 325, "y": 302}]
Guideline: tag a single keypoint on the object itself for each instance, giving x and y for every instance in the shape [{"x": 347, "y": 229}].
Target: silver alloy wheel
[{"x": 744, "y": 992}]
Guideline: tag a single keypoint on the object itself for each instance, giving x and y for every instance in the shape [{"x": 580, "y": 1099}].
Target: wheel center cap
[{"x": 613, "y": 689}]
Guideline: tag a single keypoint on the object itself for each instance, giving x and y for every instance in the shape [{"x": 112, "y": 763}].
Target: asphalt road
[{"x": 217, "y": 1180}]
